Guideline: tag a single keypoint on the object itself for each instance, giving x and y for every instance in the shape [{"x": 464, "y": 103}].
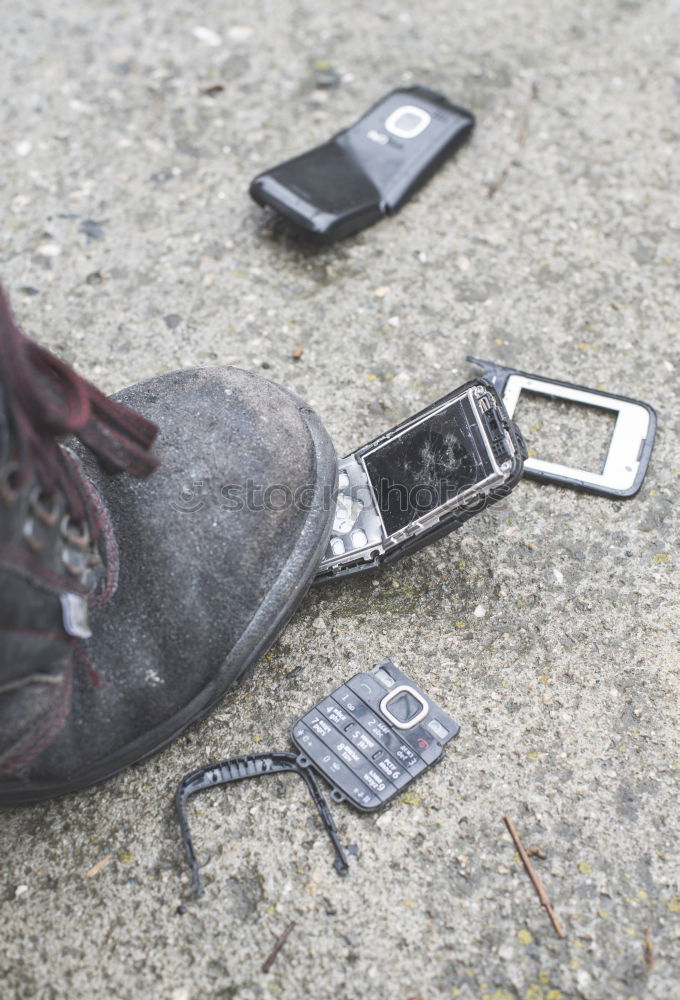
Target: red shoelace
[{"x": 46, "y": 400}]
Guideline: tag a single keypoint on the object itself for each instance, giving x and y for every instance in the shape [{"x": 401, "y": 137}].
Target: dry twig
[
  {"x": 649, "y": 950},
  {"x": 98, "y": 866},
  {"x": 531, "y": 872},
  {"x": 280, "y": 941},
  {"x": 521, "y": 140}
]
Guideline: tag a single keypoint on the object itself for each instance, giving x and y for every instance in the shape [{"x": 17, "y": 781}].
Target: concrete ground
[{"x": 548, "y": 628}]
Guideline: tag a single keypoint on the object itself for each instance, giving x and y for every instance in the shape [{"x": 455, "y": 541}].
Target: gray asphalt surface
[{"x": 548, "y": 628}]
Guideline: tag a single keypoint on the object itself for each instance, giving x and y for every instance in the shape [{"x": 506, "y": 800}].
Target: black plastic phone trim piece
[{"x": 250, "y": 766}]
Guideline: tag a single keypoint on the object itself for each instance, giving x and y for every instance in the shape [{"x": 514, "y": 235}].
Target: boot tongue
[{"x": 46, "y": 400}]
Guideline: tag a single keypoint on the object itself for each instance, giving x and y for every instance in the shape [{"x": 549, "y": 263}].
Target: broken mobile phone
[
  {"x": 373, "y": 736},
  {"x": 367, "y": 170},
  {"x": 630, "y": 446},
  {"x": 422, "y": 479}
]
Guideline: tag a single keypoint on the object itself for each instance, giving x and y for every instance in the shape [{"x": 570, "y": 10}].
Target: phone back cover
[{"x": 369, "y": 169}]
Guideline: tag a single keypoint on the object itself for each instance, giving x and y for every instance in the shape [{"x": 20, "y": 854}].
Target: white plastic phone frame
[{"x": 631, "y": 430}]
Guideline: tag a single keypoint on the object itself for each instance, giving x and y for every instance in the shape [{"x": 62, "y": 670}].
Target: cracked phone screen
[{"x": 422, "y": 468}]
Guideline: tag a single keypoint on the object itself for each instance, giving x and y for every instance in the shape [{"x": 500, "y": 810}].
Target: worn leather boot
[{"x": 128, "y": 606}]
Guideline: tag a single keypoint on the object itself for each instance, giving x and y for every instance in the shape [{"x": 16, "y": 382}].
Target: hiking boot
[{"x": 128, "y": 606}]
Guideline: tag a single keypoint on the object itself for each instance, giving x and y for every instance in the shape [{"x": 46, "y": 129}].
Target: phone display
[
  {"x": 417, "y": 471},
  {"x": 422, "y": 479}
]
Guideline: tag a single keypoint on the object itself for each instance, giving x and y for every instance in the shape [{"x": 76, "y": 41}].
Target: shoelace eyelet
[
  {"x": 46, "y": 506},
  {"x": 75, "y": 561},
  {"x": 29, "y": 535},
  {"x": 8, "y": 493},
  {"x": 75, "y": 533}
]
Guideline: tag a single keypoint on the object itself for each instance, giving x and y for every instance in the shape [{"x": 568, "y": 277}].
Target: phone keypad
[{"x": 357, "y": 747}]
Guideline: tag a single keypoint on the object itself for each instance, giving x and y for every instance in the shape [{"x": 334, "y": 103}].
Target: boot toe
[{"x": 213, "y": 552}]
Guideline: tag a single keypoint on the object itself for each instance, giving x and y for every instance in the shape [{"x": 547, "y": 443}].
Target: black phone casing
[{"x": 369, "y": 169}]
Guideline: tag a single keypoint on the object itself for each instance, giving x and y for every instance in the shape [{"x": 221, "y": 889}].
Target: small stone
[
  {"x": 181, "y": 910},
  {"x": 583, "y": 981},
  {"x": 325, "y": 76},
  {"x": 318, "y": 623},
  {"x": 23, "y": 148},
  {"x": 93, "y": 230},
  {"x": 479, "y": 611},
  {"x": 94, "y": 278},
  {"x": 240, "y": 32},
  {"x": 161, "y": 176},
  {"x": 48, "y": 250},
  {"x": 172, "y": 321},
  {"x": 20, "y": 890},
  {"x": 29, "y": 290},
  {"x": 206, "y": 35},
  {"x": 411, "y": 798},
  {"x": 394, "y": 321}
]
